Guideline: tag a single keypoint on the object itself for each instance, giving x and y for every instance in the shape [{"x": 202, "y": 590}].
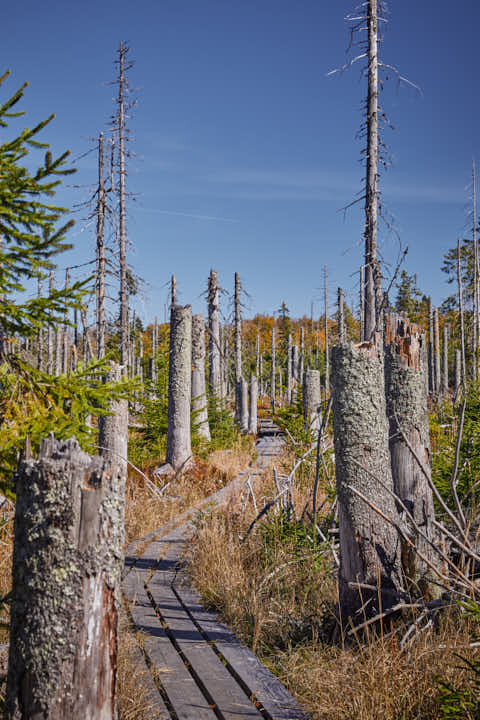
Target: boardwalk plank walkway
[{"x": 198, "y": 669}]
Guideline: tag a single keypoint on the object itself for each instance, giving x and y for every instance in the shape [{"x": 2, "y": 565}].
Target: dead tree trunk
[
  {"x": 153, "y": 359},
  {"x": 327, "y": 349},
  {"x": 122, "y": 229},
  {"x": 272, "y": 375},
  {"x": 369, "y": 545},
  {"x": 431, "y": 353},
  {"x": 362, "y": 302},
  {"x": 372, "y": 268},
  {"x": 289, "y": 369},
  {"x": 407, "y": 410},
  {"x": 445, "y": 359},
  {"x": 101, "y": 208},
  {"x": 199, "y": 397},
  {"x": 311, "y": 400},
  {"x": 238, "y": 329},
  {"x": 341, "y": 317},
  {"x": 242, "y": 400},
  {"x": 213, "y": 336},
  {"x": 67, "y": 564},
  {"x": 436, "y": 350},
  {"x": 173, "y": 290},
  {"x": 476, "y": 298},
  {"x": 113, "y": 428},
  {"x": 460, "y": 310},
  {"x": 458, "y": 371},
  {"x": 179, "y": 449},
  {"x": 301, "y": 366},
  {"x": 40, "y": 334},
  {"x": 252, "y": 415},
  {"x": 50, "y": 347}
]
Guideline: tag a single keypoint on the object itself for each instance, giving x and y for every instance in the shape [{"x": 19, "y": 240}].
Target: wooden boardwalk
[{"x": 194, "y": 666}]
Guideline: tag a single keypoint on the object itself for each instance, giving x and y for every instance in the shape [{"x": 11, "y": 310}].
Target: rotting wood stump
[
  {"x": 199, "y": 670},
  {"x": 67, "y": 563}
]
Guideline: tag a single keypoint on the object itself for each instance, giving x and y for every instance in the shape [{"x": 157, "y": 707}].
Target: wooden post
[
  {"x": 199, "y": 397},
  {"x": 407, "y": 410},
  {"x": 179, "y": 449},
  {"x": 67, "y": 564},
  {"x": 369, "y": 545}
]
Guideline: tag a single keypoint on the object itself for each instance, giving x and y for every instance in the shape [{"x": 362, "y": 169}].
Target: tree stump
[
  {"x": 369, "y": 545},
  {"x": 67, "y": 564}
]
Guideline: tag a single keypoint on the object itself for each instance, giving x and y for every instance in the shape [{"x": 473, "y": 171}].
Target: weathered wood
[
  {"x": 311, "y": 400},
  {"x": 340, "y": 316},
  {"x": 199, "y": 397},
  {"x": 242, "y": 404},
  {"x": 100, "y": 278},
  {"x": 436, "y": 351},
  {"x": 289, "y": 369},
  {"x": 407, "y": 410},
  {"x": 369, "y": 545},
  {"x": 445, "y": 359},
  {"x": 272, "y": 375},
  {"x": 214, "y": 336},
  {"x": 179, "y": 449},
  {"x": 69, "y": 531},
  {"x": 327, "y": 349},
  {"x": 253, "y": 402},
  {"x": 113, "y": 428}
]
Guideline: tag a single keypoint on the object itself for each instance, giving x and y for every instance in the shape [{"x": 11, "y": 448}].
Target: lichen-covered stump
[
  {"x": 67, "y": 563},
  {"x": 369, "y": 545},
  {"x": 406, "y": 384},
  {"x": 179, "y": 449}
]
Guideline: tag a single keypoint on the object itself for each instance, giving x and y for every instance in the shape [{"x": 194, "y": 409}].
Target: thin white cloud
[{"x": 189, "y": 215}]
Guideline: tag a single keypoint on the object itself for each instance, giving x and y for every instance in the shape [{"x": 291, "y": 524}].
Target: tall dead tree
[
  {"x": 40, "y": 348},
  {"x": 272, "y": 375},
  {"x": 179, "y": 449},
  {"x": 153, "y": 359},
  {"x": 289, "y": 369},
  {"x": 340, "y": 316},
  {"x": 461, "y": 315},
  {"x": 436, "y": 350},
  {"x": 65, "y": 335},
  {"x": 431, "y": 350},
  {"x": 369, "y": 545},
  {"x": 407, "y": 410},
  {"x": 311, "y": 400},
  {"x": 476, "y": 288},
  {"x": 50, "y": 333},
  {"x": 445, "y": 359},
  {"x": 252, "y": 412},
  {"x": 362, "y": 302},
  {"x": 100, "y": 278},
  {"x": 243, "y": 406},
  {"x": 214, "y": 336},
  {"x": 301, "y": 366},
  {"x": 238, "y": 328},
  {"x": 199, "y": 397},
  {"x": 67, "y": 564},
  {"x": 327, "y": 349}
]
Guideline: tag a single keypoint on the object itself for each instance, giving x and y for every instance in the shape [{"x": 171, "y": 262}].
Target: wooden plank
[
  {"x": 267, "y": 689},
  {"x": 181, "y": 689},
  {"x": 157, "y": 710},
  {"x": 230, "y": 699}
]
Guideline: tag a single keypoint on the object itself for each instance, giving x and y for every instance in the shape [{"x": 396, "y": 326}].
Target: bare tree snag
[
  {"x": 199, "y": 397},
  {"x": 436, "y": 350},
  {"x": 460, "y": 310},
  {"x": 113, "y": 428},
  {"x": 295, "y": 378},
  {"x": 50, "y": 348},
  {"x": 213, "y": 336},
  {"x": 369, "y": 545},
  {"x": 311, "y": 400},
  {"x": 327, "y": 349},
  {"x": 153, "y": 359},
  {"x": 362, "y": 302},
  {"x": 252, "y": 415},
  {"x": 101, "y": 209},
  {"x": 272, "y": 376},
  {"x": 458, "y": 371},
  {"x": 67, "y": 563},
  {"x": 179, "y": 449},
  {"x": 289, "y": 369},
  {"x": 238, "y": 329},
  {"x": 242, "y": 401},
  {"x": 341, "y": 318},
  {"x": 476, "y": 297},
  {"x": 122, "y": 229},
  {"x": 431, "y": 352},
  {"x": 445, "y": 359},
  {"x": 40, "y": 348},
  {"x": 301, "y": 366},
  {"x": 407, "y": 410}
]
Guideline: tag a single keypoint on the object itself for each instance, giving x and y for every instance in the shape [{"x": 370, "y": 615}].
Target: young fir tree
[{"x": 33, "y": 233}]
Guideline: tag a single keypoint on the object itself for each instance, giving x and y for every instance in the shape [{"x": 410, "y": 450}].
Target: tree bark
[
  {"x": 122, "y": 210},
  {"x": 238, "y": 329},
  {"x": 301, "y": 366},
  {"x": 341, "y": 318},
  {"x": 431, "y": 352},
  {"x": 101, "y": 207},
  {"x": 252, "y": 415},
  {"x": 199, "y": 397},
  {"x": 113, "y": 428},
  {"x": 40, "y": 334},
  {"x": 289, "y": 369},
  {"x": 445, "y": 359},
  {"x": 213, "y": 336},
  {"x": 369, "y": 545},
  {"x": 407, "y": 410},
  {"x": 311, "y": 400},
  {"x": 458, "y": 371},
  {"x": 173, "y": 289},
  {"x": 179, "y": 449},
  {"x": 460, "y": 309},
  {"x": 436, "y": 351},
  {"x": 272, "y": 376},
  {"x": 242, "y": 400},
  {"x": 67, "y": 563},
  {"x": 50, "y": 347}
]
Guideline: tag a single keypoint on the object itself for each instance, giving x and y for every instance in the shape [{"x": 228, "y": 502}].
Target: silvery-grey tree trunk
[
  {"x": 113, "y": 428},
  {"x": 407, "y": 410},
  {"x": 65, "y": 336},
  {"x": 369, "y": 545},
  {"x": 40, "y": 334},
  {"x": 58, "y": 350},
  {"x": 272, "y": 376},
  {"x": 252, "y": 415},
  {"x": 153, "y": 359},
  {"x": 289, "y": 369},
  {"x": 50, "y": 346},
  {"x": 476, "y": 293},
  {"x": 179, "y": 449},
  {"x": 213, "y": 336},
  {"x": 436, "y": 350},
  {"x": 311, "y": 400},
  {"x": 199, "y": 396},
  {"x": 362, "y": 302},
  {"x": 238, "y": 329},
  {"x": 431, "y": 351},
  {"x": 257, "y": 354},
  {"x": 260, "y": 378},
  {"x": 458, "y": 370},
  {"x": 302, "y": 363},
  {"x": 173, "y": 289},
  {"x": 122, "y": 228},
  {"x": 327, "y": 349},
  {"x": 101, "y": 209},
  {"x": 295, "y": 368},
  {"x": 242, "y": 400},
  {"x": 67, "y": 564},
  {"x": 445, "y": 359},
  {"x": 460, "y": 308},
  {"x": 372, "y": 267},
  {"x": 341, "y": 317}
]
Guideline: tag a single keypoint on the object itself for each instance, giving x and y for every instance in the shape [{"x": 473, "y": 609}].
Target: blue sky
[{"x": 245, "y": 149}]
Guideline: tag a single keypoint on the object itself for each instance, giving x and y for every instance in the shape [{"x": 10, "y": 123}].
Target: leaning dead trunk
[
  {"x": 369, "y": 545},
  {"x": 67, "y": 563},
  {"x": 179, "y": 450},
  {"x": 407, "y": 410},
  {"x": 199, "y": 397},
  {"x": 311, "y": 400}
]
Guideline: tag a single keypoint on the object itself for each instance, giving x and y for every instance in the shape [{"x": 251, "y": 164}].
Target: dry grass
[
  {"x": 132, "y": 691},
  {"x": 6, "y": 556},
  {"x": 285, "y": 613}
]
